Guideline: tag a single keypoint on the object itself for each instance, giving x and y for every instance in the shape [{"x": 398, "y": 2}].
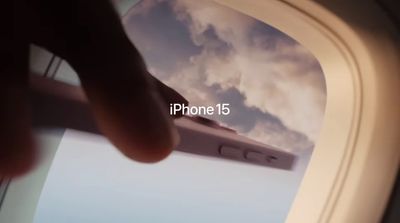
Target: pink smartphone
[{"x": 57, "y": 104}]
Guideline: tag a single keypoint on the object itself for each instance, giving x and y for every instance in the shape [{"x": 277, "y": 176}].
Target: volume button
[
  {"x": 254, "y": 156},
  {"x": 231, "y": 152}
]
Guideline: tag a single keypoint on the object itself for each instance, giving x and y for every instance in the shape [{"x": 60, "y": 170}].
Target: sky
[{"x": 210, "y": 54}]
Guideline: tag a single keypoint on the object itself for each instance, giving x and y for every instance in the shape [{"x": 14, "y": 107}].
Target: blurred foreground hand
[{"x": 130, "y": 106}]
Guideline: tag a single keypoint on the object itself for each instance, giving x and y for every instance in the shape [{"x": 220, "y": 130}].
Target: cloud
[
  {"x": 280, "y": 137},
  {"x": 261, "y": 126},
  {"x": 274, "y": 73},
  {"x": 274, "y": 85}
]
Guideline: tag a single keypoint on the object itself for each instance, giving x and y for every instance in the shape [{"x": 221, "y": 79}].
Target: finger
[
  {"x": 124, "y": 100},
  {"x": 44, "y": 35},
  {"x": 170, "y": 96},
  {"x": 133, "y": 118},
  {"x": 17, "y": 147}
]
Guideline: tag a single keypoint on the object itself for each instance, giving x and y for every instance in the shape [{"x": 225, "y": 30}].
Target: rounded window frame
[{"x": 344, "y": 181}]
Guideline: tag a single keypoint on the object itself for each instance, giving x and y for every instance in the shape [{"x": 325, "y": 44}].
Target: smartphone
[{"x": 57, "y": 104}]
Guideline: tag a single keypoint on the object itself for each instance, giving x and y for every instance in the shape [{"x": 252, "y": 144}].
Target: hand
[{"x": 130, "y": 106}]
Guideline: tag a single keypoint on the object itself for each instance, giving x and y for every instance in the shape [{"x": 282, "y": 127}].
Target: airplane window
[
  {"x": 40, "y": 60},
  {"x": 210, "y": 54},
  {"x": 66, "y": 73}
]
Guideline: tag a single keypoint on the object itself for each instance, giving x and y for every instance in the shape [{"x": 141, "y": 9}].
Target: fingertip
[
  {"x": 145, "y": 149},
  {"x": 142, "y": 148},
  {"x": 147, "y": 154},
  {"x": 136, "y": 123},
  {"x": 18, "y": 149},
  {"x": 18, "y": 156},
  {"x": 170, "y": 96}
]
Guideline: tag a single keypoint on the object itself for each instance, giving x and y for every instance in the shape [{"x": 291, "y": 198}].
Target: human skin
[{"x": 129, "y": 105}]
